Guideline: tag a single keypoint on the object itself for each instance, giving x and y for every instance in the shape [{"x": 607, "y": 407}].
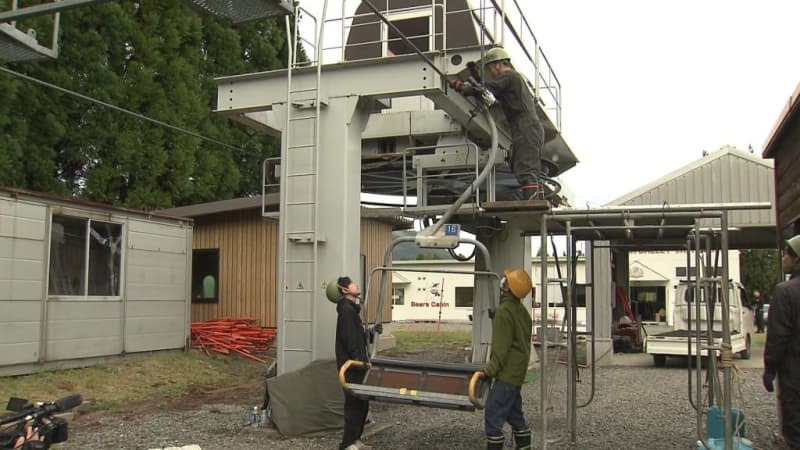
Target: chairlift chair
[{"x": 433, "y": 384}]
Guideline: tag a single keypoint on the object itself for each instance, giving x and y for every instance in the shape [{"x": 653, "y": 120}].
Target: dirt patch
[{"x": 242, "y": 394}]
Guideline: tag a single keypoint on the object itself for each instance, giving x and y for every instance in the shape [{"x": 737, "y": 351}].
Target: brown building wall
[
  {"x": 783, "y": 145},
  {"x": 248, "y": 251},
  {"x": 787, "y": 181},
  {"x": 364, "y": 37},
  {"x": 248, "y": 255},
  {"x": 375, "y": 239}
]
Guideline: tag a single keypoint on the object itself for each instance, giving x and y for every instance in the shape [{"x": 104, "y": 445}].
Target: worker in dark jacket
[
  {"x": 511, "y": 352},
  {"x": 519, "y": 106},
  {"x": 782, "y": 352},
  {"x": 351, "y": 343}
]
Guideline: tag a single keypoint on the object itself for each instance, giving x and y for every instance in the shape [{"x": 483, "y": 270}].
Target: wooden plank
[{"x": 517, "y": 205}]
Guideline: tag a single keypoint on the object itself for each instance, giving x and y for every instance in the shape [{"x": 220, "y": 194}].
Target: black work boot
[
  {"x": 495, "y": 442},
  {"x": 522, "y": 439}
]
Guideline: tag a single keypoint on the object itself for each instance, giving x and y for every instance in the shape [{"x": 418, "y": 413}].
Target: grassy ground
[
  {"x": 759, "y": 339},
  {"x": 162, "y": 375},
  {"x": 168, "y": 375},
  {"x": 410, "y": 340}
]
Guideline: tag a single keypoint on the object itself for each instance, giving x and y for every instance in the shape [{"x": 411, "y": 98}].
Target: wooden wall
[
  {"x": 787, "y": 186},
  {"x": 248, "y": 251},
  {"x": 375, "y": 239},
  {"x": 248, "y": 255}
]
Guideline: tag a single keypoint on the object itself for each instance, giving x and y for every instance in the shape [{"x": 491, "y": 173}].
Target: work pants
[
  {"x": 503, "y": 404},
  {"x": 790, "y": 422},
  {"x": 355, "y": 415},
  {"x": 527, "y": 136}
]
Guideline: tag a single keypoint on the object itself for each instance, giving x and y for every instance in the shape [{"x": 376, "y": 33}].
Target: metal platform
[
  {"x": 17, "y": 46},
  {"x": 421, "y": 383},
  {"x": 241, "y": 11}
]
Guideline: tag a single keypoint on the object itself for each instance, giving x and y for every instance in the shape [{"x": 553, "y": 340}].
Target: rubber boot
[
  {"x": 522, "y": 439},
  {"x": 495, "y": 442}
]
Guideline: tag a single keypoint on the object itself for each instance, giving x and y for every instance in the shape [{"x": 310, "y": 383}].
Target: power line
[{"x": 126, "y": 111}]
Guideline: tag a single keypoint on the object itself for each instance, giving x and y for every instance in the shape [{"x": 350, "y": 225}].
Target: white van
[{"x": 676, "y": 342}]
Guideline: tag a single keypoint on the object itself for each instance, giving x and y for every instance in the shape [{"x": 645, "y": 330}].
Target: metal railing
[{"x": 496, "y": 22}]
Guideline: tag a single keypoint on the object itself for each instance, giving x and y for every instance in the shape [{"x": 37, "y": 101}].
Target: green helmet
[
  {"x": 333, "y": 292},
  {"x": 496, "y": 54},
  {"x": 794, "y": 244}
]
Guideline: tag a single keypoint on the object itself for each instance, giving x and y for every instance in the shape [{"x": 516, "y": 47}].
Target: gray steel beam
[{"x": 400, "y": 76}]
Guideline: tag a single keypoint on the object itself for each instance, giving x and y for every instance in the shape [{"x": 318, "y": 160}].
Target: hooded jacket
[
  {"x": 782, "y": 352},
  {"x": 351, "y": 339},
  {"x": 511, "y": 341}
]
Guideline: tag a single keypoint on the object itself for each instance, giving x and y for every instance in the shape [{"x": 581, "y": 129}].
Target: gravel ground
[{"x": 636, "y": 406}]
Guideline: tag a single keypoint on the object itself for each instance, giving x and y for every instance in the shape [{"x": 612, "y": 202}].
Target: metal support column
[{"x": 727, "y": 356}]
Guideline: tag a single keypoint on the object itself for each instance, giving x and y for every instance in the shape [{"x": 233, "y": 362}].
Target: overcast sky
[{"x": 649, "y": 85}]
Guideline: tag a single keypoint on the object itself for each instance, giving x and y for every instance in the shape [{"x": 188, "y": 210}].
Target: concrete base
[
  {"x": 386, "y": 341},
  {"x": 604, "y": 352}
]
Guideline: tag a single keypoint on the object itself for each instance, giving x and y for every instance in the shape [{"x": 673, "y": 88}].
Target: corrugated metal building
[
  {"x": 728, "y": 175},
  {"x": 783, "y": 145},
  {"x": 85, "y": 280},
  {"x": 238, "y": 248}
]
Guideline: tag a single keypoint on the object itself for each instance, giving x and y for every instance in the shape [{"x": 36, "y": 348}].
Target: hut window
[
  {"x": 464, "y": 296},
  {"x": 398, "y": 296},
  {"x": 415, "y": 25},
  {"x": 205, "y": 275},
  {"x": 85, "y": 257}
]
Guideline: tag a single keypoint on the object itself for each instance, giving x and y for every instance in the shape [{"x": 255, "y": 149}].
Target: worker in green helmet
[
  {"x": 508, "y": 365},
  {"x": 519, "y": 106},
  {"x": 782, "y": 351},
  {"x": 351, "y": 343}
]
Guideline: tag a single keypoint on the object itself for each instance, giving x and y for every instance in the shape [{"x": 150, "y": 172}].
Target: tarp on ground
[{"x": 307, "y": 400}]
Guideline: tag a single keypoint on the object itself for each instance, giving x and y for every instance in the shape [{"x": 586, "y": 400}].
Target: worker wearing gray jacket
[
  {"x": 782, "y": 352},
  {"x": 519, "y": 106},
  {"x": 508, "y": 365}
]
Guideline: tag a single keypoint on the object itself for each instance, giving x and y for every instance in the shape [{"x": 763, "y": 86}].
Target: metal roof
[
  {"x": 53, "y": 199},
  {"x": 728, "y": 175}
]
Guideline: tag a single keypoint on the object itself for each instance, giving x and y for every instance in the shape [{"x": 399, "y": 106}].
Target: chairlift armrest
[
  {"x": 473, "y": 384},
  {"x": 346, "y": 367}
]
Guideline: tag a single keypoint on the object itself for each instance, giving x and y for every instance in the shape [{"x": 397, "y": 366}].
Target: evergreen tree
[
  {"x": 759, "y": 270},
  {"x": 156, "y": 58}
]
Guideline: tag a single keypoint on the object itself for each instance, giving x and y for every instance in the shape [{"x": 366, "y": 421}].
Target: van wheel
[
  {"x": 660, "y": 360},
  {"x": 745, "y": 354}
]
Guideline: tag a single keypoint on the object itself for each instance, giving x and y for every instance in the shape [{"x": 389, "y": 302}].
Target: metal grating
[
  {"x": 240, "y": 11},
  {"x": 16, "y": 46}
]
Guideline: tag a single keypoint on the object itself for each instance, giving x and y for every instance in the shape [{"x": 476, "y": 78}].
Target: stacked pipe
[{"x": 232, "y": 335}]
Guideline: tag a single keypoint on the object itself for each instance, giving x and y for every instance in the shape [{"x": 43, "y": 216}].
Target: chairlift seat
[{"x": 422, "y": 383}]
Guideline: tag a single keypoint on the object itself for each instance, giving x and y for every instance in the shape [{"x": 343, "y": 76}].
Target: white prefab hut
[{"x": 81, "y": 281}]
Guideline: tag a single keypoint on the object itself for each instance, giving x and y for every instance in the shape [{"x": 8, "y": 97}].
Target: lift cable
[{"x": 128, "y": 112}]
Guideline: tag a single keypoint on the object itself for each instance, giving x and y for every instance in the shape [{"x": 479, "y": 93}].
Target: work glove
[
  {"x": 465, "y": 87},
  {"x": 768, "y": 378},
  {"x": 378, "y": 328}
]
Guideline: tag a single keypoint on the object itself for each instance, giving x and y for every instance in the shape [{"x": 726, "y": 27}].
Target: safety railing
[
  {"x": 353, "y": 31},
  {"x": 17, "y": 45},
  {"x": 419, "y": 179}
]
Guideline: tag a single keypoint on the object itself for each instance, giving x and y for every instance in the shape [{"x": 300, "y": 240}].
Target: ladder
[{"x": 299, "y": 238}]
